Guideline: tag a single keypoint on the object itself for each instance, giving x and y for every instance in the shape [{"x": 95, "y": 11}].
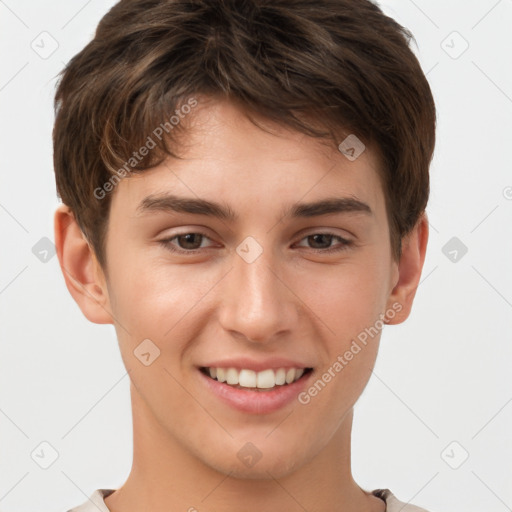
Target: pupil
[
  {"x": 188, "y": 238},
  {"x": 329, "y": 237}
]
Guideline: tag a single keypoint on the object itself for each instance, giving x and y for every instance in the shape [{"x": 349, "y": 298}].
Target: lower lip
[{"x": 256, "y": 402}]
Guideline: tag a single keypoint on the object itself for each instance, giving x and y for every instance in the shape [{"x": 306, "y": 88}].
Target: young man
[{"x": 244, "y": 187}]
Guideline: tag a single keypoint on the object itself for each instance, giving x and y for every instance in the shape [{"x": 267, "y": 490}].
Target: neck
[{"x": 167, "y": 477}]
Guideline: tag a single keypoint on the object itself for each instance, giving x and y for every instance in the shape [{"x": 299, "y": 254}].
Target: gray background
[{"x": 442, "y": 386}]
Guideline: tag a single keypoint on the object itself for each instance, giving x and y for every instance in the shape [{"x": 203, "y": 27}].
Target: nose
[{"x": 257, "y": 303}]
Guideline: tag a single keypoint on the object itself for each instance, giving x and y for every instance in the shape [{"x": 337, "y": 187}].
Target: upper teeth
[{"x": 251, "y": 379}]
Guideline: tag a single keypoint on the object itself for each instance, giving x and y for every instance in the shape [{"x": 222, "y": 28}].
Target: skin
[{"x": 291, "y": 302}]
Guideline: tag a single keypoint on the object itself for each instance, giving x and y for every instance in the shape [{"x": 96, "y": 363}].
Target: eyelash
[{"x": 167, "y": 243}]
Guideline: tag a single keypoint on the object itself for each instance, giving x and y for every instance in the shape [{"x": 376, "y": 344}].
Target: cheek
[
  {"x": 156, "y": 301},
  {"x": 348, "y": 298}
]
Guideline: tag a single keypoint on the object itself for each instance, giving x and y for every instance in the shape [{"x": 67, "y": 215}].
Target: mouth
[{"x": 250, "y": 380}]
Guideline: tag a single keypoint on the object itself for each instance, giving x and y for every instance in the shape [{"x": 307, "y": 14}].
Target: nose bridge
[{"x": 257, "y": 304}]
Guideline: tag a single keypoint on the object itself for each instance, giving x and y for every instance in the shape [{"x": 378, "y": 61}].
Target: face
[{"x": 241, "y": 275}]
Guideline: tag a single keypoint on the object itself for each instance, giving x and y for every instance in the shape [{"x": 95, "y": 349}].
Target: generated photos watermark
[
  {"x": 344, "y": 359},
  {"x": 137, "y": 156}
]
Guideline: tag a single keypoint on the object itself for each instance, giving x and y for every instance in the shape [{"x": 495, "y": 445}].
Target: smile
[{"x": 249, "y": 379}]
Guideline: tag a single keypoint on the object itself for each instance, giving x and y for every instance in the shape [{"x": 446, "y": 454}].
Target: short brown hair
[{"x": 317, "y": 66}]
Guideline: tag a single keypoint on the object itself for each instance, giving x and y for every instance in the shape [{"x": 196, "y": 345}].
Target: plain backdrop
[{"x": 433, "y": 425}]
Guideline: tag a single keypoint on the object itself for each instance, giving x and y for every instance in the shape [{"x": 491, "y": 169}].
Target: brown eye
[
  {"x": 185, "y": 242},
  {"x": 322, "y": 242},
  {"x": 189, "y": 240}
]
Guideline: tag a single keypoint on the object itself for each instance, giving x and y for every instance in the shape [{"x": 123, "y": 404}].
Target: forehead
[{"x": 225, "y": 155}]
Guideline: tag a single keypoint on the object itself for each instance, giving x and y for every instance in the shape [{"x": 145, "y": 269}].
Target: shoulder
[
  {"x": 393, "y": 504},
  {"x": 95, "y": 502}
]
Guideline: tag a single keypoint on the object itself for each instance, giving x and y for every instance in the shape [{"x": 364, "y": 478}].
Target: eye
[
  {"x": 192, "y": 242},
  {"x": 322, "y": 242},
  {"x": 186, "y": 242}
]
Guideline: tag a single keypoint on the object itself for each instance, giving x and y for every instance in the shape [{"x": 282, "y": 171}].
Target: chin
[{"x": 266, "y": 464}]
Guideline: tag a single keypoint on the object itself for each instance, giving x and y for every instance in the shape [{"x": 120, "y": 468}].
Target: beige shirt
[{"x": 96, "y": 502}]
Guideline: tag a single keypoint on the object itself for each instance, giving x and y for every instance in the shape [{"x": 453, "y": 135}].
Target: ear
[
  {"x": 414, "y": 247},
  {"x": 83, "y": 275}
]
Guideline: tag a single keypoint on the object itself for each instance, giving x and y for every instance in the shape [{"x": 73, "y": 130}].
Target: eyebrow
[{"x": 178, "y": 204}]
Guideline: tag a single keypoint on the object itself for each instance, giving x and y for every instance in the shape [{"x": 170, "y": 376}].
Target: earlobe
[
  {"x": 82, "y": 273},
  {"x": 414, "y": 247}
]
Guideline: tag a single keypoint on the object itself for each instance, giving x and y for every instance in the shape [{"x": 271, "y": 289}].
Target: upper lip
[{"x": 273, "y": 363}]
